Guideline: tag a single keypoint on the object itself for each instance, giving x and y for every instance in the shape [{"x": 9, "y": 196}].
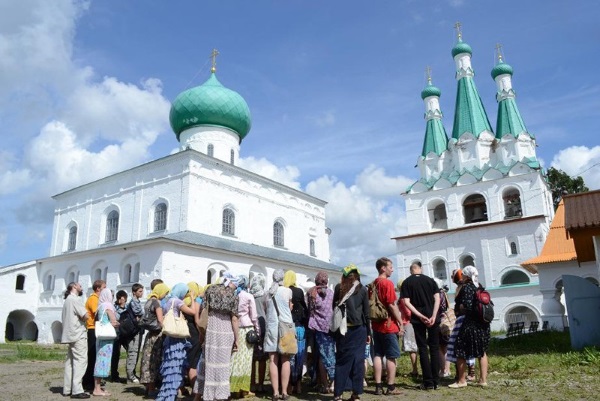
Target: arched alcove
[
  {"x": 56, "y": 331},
  {"x": 514, "y": 277},
  {"x": 20, "y": 325}
]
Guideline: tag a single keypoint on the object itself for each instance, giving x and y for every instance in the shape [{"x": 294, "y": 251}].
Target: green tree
[{"x": 561, "y": 183}]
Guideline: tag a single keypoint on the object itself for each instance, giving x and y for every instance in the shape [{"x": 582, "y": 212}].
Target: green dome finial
[
  {"x": 430, "y": 90},
  {"x": 501, "y": 67},
  {"x": 461, "y": 47},
  {"x": 210, "y": 104}
]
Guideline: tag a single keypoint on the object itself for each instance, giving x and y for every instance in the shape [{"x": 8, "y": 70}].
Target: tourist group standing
[{"x": 215, "y": 342}]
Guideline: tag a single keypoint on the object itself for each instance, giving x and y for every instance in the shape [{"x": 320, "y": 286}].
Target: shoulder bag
[
  {"x": 104, "y": 330},
  {"x": 338, "y": 319},
  {"x": 175, "y": 326},
  {"x": 287, "y": 344}
]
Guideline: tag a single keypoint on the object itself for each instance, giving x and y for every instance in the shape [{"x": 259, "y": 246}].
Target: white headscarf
[{"x": 472, "y": 273}]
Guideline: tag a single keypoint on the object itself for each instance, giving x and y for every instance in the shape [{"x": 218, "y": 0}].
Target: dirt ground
[{"x": 36, "y": 380}]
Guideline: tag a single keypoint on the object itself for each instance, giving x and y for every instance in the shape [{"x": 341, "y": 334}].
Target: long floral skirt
[
  {"x": 241, "y": 363},
  {"x": 213, "y": 380},
  {"x": 172, "y": 368},
  {"x": 151, "y": 358},
  {"x": 104, "y": 350},
  {"x": 326, "y": 346}
]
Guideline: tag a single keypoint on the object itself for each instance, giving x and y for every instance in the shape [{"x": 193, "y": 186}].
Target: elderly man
[{"x": 74, "y": 334}]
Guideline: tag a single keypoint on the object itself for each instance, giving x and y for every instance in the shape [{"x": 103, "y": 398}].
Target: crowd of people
[{"x": 237, "y": 327}]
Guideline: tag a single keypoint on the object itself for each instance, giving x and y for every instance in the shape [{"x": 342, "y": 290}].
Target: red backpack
[{"x": 485, "y": 306}]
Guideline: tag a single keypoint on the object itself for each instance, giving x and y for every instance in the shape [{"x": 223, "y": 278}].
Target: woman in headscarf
[
  {"x": 282, "y": 312},
  {"x": 457, "y": 278},
  {"x": 350, "y": 348},
  {"x": 221, "y": 340},
  {"x": 474, "y": 336},
  {"x": 104, "y": 348},
  {"x": 299, "y": 316},
  {"x": 241, "y": 361},
  {"x": 193, "y": 322},
  {"x": 257, "y": 290},
  {"x": 174, "y": 349},
  {"x": 152, "y": 350},
  {"x": 320, "y": 310}
]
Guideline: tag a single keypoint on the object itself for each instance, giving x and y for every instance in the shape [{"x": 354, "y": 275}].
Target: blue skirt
[{"x": 173, "y": 365}]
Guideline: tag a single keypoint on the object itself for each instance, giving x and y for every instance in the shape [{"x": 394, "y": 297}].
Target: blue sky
[{"x": 333, "y": 88}]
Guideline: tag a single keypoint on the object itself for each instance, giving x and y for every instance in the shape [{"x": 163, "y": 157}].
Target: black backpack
[{"x": 128, "y": 324}]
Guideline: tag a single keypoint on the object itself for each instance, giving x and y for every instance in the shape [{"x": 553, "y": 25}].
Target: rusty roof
[
  {"x": 582, "y": 210},
  {"x": 557, "y": 248}
]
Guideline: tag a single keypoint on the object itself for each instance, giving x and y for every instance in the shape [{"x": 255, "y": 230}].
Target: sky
[{"x": 333, "y": 88}]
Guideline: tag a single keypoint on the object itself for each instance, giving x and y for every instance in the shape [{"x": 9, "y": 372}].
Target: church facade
[
  {"x": 482, "y": 198},
  {"x": 189, "y": 216}
]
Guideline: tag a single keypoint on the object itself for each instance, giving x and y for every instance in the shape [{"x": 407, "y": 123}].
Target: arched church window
[
  {"x": 112, "y": 226},
  {"x": 514, "y": 277},
  {"x": 228, "y": 222},
  {"x": 513, "y": 248},
  {"x": 312, "y": 247},
  {"x": 475, "y": 209},
  {"x": 72, "y": 238},
  {"x": 160, "y": 217},
  {"x": 512, "y": 203},
  {"x": 466, "y": 260},
  {"x": 278, "y": 234},
  {"x": 438, "y": 216},
  {"x": 20, "y": 284},
  {"x": 439, "y": 269},
  {"x": 210, "y": 150}
]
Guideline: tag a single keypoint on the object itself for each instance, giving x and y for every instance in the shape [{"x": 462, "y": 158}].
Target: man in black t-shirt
[{"x": 421, "y": 295}]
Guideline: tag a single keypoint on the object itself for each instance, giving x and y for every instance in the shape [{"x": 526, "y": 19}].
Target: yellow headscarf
[
  {"x": 195, "y": 288},
  {"x": 160, "y": 291},
  {"x": 289, "y": 279}
]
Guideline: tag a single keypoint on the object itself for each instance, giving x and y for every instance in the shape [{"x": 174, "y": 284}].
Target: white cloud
[
  {"x": 97, "y": 126},
  {"x": 373, "y": 181},
  {"x": 362, "y": 222},
  {"x": 580, "y": 161},
  {"x": 287, "y": 175}
]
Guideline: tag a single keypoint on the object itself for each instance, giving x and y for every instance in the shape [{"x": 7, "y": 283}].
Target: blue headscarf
[
  {"x": 179, "y": 291},
  {"x": 242, "y": 283}
]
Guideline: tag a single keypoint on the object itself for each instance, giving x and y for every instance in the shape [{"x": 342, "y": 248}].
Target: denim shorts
[{"x": 386, "y": 345}]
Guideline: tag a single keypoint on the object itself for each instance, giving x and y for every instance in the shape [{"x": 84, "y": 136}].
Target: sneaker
[{"x": 134, "y": 379}]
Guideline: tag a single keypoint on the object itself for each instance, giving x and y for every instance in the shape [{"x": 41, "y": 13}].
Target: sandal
[{"x": 325, "y": 390}]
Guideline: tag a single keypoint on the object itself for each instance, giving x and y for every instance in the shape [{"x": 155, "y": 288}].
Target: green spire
[
  {"x": 469, "y": 115},
  {"x": 509, "y": 119},
  {"x": 436, "y": 139}
]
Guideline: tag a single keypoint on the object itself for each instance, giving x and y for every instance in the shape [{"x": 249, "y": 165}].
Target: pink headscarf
[{"x": 105, "y": 300}]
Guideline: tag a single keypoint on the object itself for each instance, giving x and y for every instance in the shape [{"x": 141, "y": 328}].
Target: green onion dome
[
  {"x": 501, "y": 68},
  {"x": 210, "y": 104},
  {"x": 461, "y": 47},
  {"x": 430, "y": 90}
]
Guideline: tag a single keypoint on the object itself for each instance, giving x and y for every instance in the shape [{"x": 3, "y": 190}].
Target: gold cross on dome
[
  {"x": 499, "y": 52},
  {"x": 213, "y": 56},
  {"x": 457, "y": 26}
]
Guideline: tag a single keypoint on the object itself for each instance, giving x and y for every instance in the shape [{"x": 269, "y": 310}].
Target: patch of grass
[{"x": 30, "y": 351}]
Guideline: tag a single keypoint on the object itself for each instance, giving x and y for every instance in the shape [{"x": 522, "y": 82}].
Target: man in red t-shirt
[{"x": 385, "y": 332}]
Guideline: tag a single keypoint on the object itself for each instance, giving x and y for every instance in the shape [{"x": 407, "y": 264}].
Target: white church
[
  {"x": 189, "y": 216},
  {"x": 482, "y": 198}
]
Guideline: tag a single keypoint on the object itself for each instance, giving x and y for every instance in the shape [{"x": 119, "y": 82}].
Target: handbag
[
  {"x": 104, "y": 330},
  {"x": 149, "y": 321},
  {"x": 204, "y": 318},
  {"x": 287, "y": 344},
  {"x": 175, "y": 326},
  {"x": 252, "y": 337},
  {"x": 338, "y": 319}
]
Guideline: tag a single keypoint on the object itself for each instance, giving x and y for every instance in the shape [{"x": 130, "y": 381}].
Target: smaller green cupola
[
  {"x": 430, "y": 90},
  {"x": 461, "y": 47},
  {"x": 501, "y": 68},
  {"x": 436, "y": 139}
]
